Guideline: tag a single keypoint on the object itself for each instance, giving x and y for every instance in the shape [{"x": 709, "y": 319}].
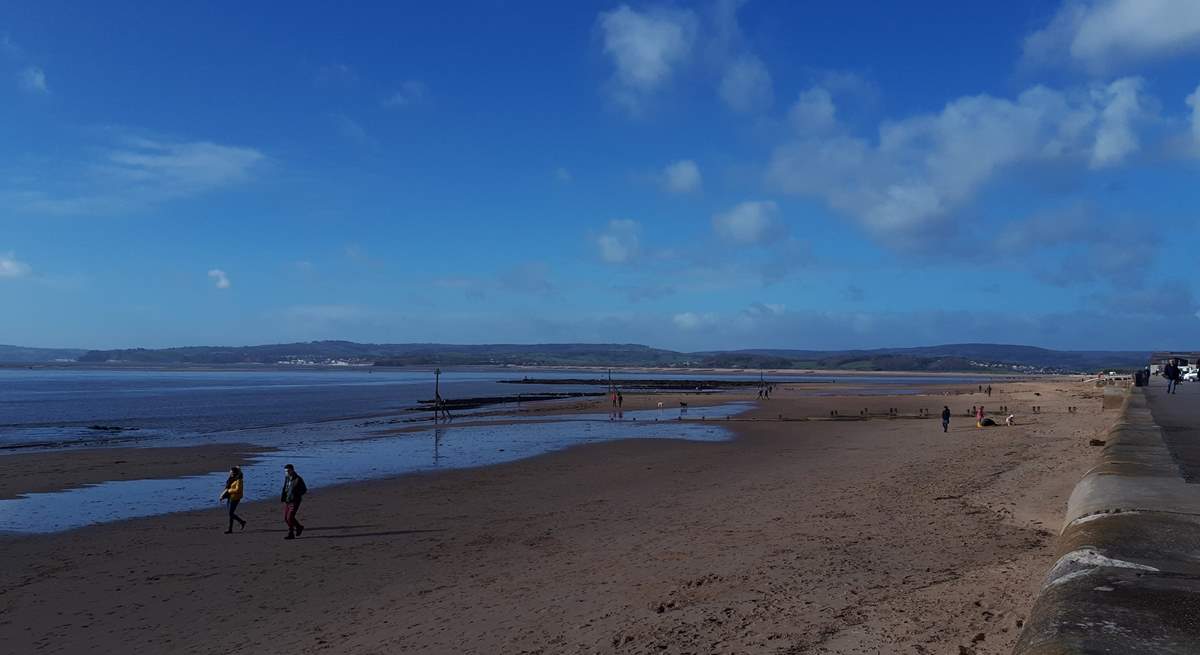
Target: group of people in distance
[
  {"x": 293, "y": 492},
  {"x": 980, "y": 419}
]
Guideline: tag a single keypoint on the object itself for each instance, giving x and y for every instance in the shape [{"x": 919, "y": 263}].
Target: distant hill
[
  {"x": 408, "y": 354},
  {"x": 21, "y": 355},
  {"x": 952, "y": 357}
]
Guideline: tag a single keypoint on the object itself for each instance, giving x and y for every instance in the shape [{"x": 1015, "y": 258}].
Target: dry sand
[{"x": 878, "y": 536}]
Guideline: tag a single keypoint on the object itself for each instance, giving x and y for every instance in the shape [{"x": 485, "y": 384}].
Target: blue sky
[{"x": 691, "y": 176}]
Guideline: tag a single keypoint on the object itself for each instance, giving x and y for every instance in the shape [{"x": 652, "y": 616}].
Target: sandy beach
[
  {"x": 40, "y": 472},
  {"x": 799, "y": 536}
]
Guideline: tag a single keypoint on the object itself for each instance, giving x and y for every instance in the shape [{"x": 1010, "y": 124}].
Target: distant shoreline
[{"x": 367, "y": 368}]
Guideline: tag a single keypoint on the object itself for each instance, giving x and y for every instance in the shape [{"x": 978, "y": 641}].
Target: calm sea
[
  {"x": 334, "y": 425},
  {"x": 50, "y": 408}
]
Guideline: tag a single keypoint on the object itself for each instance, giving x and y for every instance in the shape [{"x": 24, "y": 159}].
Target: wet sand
[
  {"x": 66, "y": 469},
  {"x": 820, "y": 536}
]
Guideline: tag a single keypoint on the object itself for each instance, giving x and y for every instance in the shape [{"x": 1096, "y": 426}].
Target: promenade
[
  {"x": 1179, "y": 417},
  {"x": 1127, "y": 578}
]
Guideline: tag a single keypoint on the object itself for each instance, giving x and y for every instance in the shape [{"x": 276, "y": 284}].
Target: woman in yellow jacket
[{"x": 233, "y": 492}]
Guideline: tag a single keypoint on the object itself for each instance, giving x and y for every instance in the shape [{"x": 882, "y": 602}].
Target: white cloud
[
  {"x": 924, "y": 168},
  {"x": 1121, "y": 107},
  {"x": 411, "y": 92},
  {"x": 681, "y": 177},
  {"x": 535, "y": 278},
  {"x": 351, "y": 129},
  {"x": 620, "y": 242},
  {"x": 746, "y": 84},
  {"x": 1193, "y": 101},
  {"x": 813, "y": 111},
  {"x": 220, "y": 278},
  {"x": 358, "y": 254},
  {"x": 763, "y": 309},
  {"x": 181, "y": 168},
  {"x": 33, "y": 80},
  {"x": 1104, "y": 34},
  {"x": 11, "y": 267},
  {"x": 131, "y": 175},
  {"x": 749, "y": 222},
  {"x": 693, "y": 321},
  {"x": 645, "y": 48}
]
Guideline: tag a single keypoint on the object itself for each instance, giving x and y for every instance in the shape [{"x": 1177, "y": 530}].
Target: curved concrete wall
[{"x": 1128, "y": 575}]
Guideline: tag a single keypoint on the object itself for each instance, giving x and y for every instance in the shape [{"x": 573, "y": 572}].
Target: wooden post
[{"x": 439, "y": 405}]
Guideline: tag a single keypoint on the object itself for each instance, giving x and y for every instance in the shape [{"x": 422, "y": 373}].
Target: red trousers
[{"x": 289, "y": 515}]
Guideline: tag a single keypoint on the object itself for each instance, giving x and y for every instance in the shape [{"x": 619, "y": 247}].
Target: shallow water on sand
[
  {"x": 328, "y": 462},
  {"x": 52, "y": 408}
]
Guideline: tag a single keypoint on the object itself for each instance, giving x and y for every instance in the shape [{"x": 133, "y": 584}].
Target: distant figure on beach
[
  {"x": 439, "y": 408},
  {"x": 979, "y": 417},
  {"x": 293, "y": 492},
  {"x": 233, "y": 493},
  {"x": 989, "y": 391},
  {"x": 1009, "y": 420},
  {"x": 945, "y": 418},
  {"x": 620, "y": 400}
]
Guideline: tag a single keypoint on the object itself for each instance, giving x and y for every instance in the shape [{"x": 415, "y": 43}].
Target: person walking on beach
[
  {"x": 989, "y": 391},
  {"x": 233, "y": 493},
  {"x": 979, "y": 417},
  {"x": 293, "y": 492},
  {"x": 945, "y": 418}
]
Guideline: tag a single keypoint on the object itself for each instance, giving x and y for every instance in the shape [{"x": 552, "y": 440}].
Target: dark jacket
[
  {"x": 946, "y": 414},
  {"x": 293, "y": 490}
]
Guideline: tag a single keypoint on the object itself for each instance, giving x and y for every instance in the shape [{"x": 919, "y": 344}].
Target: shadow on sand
[{"x": 330, "y": 528}]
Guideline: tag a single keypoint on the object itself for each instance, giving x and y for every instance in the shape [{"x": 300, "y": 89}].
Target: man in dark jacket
[
  {"x": 293, "y": 492},
  {"x": 945, "y": 418}
]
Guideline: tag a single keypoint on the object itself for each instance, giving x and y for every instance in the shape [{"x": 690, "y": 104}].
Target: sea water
[
  {"x": 51, "y": 408},
  {"x": 323, "y": 463}
]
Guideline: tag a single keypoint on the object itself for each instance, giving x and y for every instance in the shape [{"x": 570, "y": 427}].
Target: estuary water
[
  {"x": 336, "y": 426},
  {"x": 49, "y": 408}
]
